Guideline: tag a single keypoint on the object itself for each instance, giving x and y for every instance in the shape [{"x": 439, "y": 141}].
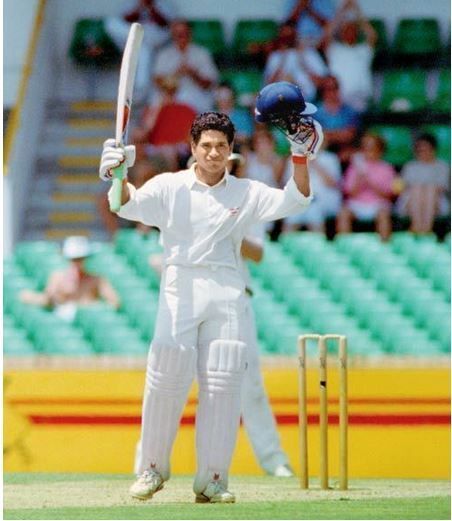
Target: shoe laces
[
  {"x": 215, "y": 487},
  {"x": 148, "y": 476}
]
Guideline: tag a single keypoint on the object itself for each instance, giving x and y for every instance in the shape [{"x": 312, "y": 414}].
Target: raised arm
[{"x": 112, "y": 157}]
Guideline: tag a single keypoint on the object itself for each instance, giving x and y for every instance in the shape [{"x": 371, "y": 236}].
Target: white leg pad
[
  {"x": 169, "y": 374},
  {"x": 221, "y": 366}
]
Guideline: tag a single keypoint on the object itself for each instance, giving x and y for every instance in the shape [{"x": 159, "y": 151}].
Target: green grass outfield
[{"x": 94, "y": 496}]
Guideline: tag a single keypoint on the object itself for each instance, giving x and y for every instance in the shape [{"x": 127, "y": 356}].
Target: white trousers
[
  {"x": 257, "y": 415},
  {"x": 200, "y": 329}
]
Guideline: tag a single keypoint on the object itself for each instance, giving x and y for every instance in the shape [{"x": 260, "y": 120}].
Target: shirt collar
[{"x": 192, "y": 179}]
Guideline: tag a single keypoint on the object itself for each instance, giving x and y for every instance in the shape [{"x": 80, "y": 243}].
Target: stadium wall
[{"x": 89, "y": 421}]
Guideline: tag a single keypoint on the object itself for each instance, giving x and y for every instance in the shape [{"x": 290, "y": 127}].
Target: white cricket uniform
[
  {"x": 257, "y": 416},
  {"x": 201, "y": 322}
]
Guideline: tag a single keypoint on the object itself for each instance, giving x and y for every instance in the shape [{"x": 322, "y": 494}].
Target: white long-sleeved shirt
[{"x": 204, "y": 225}]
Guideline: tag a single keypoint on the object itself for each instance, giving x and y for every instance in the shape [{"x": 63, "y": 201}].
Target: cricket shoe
[
  {"x": 283, "y": 471},
  {"x": 146, "y": 485},
  {"x": 215, "y": 492}
]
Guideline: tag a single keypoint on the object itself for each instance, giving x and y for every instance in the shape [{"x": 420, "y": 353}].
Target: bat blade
[{"x": 125, "y": 93}]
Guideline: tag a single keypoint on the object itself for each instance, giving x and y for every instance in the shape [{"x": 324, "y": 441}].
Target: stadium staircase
[
  {"x": 389, "y": 299},
  {"x": 66, "y": 186}
]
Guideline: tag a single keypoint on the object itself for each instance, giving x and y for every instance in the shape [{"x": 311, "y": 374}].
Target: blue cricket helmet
[{"x": 280, "y": 100}]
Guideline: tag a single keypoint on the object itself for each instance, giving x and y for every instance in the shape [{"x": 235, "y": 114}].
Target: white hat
[{"x": 76, "y": 247}]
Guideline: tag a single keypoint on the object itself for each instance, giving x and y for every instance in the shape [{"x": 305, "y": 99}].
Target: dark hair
[
  {"x": 212, "y": 121},
  {"x": 429, "y": 138}
]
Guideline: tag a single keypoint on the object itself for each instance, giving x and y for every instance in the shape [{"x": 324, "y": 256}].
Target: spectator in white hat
[{"x": 73, "y": 286}]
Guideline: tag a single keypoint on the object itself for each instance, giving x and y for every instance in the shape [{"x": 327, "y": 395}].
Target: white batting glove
[
  {"x": 312, "y": 144},
  {"x": 113, "y": 156}
]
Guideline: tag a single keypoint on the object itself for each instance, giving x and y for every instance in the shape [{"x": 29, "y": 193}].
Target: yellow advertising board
[{"x": 89, "y": 421}]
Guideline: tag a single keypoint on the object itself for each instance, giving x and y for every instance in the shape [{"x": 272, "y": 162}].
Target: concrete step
[{"x": 59, "y": 234}]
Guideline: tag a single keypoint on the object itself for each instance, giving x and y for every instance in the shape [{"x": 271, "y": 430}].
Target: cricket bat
[{"x": 125, "y": 91}]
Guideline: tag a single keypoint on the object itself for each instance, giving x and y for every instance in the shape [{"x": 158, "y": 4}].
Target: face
[
  {"x": 424, "y": 151},
  {"x": 371, "y": 148},
  {"x": 349, "y": 33},
  {"x": 212, "y": 152},
  {"x": 224, "y": 98},
  {"x": 262, "y": 142},
  {"x": 330, "y": 89},
  {"x": 181, "y": 34}
]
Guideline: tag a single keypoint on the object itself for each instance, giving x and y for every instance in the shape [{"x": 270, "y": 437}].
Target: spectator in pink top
[{"x": 368, "y": 188}]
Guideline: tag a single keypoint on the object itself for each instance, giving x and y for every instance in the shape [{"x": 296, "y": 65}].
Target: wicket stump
[{"x": 323, "y": 413}]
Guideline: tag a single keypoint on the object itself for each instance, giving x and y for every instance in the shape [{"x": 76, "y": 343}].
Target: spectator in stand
[
  {"x": 295, "y": 62},
  {"x": 310, "y": 18},
  {"x": 191, "y": 64},
  {"x": 225, "y": 102},
  {"x": 349, "y": 59},
  {"x": 74, "y": 286},
  {"x": 368, "y": 188},
  {"x": 340, "y": 122},
  {"x": 144, "y": 169},
  {"x": 157, "y": 133},
  {"x": 325, "y": 171},
  {"x": 426, "y": 182},
  {"x": 155, "y": 16},
  {"x": 262, "y": 162}
]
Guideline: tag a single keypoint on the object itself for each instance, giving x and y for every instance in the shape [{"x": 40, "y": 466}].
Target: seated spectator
[
  {"x": 426, "y": 181},
  {"x": 191, "y": 64},
  {"x": 225, "y": 102},
  {"x": 262, "y": 161},
  {"x": 74, "y": 286},
  {"x": 295, "y": 62},
  {"x": 339, "y": 121},
  {"x": 157, "y": 133},
  {"x": 144, "y": 169},
  {"x": 325, "y": 178},
  {"x": 349, "y": 59},
  {"x": 368, "y": 188},
  {"x": 310, "y": 18},
  {"x": 154, "y": 16}
]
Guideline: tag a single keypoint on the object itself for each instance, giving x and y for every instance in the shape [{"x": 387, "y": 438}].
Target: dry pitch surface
[{"x": 79, "y": 496}]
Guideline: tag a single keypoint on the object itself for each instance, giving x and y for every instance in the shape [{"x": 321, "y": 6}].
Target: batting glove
[
  {"x": 310, "y": 147},
  {"x": 113, "y": 156}
]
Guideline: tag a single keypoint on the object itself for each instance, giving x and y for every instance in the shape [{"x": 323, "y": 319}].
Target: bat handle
[{"x": 115, "y": 198}]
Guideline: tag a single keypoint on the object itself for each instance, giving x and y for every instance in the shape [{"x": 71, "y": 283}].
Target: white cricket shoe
[
  {"x": 215, "y": 492},
  {"x": 146, "y": 485},
  {"x": 283, "y": 471}
]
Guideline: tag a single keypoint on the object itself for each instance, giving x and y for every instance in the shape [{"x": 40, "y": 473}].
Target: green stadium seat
[
  {"x": 403, "y": 91},
  {"x": 245, "y": 84},
  {"x": 53, "y": 340},
  {"x": 442, "y": 134},
  {"x": 282, "y": 145},
  {"x": 379, "y": 26},
  {"x": 441, "y": 102},
  {"x": 438, "y": 323},
  {"x": 399, "y": 143},
  {"x": 119, "y": 340},
  {"x": 209, "y": 34},
  {"x": 417, "y": 36},
  {"x": 414, "y": 342},
  {"x": 98, "y": 316},
  {"x": 440, "y": 277},
  {"x": 124, "y": 238},
  {"x": 16, "y": 343},
  {"x": 248, "y": 32},
  {"x": 91, "y": 45},
  {"x": 67, "y": 345},
  {"x": 345, "y": 242}
]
